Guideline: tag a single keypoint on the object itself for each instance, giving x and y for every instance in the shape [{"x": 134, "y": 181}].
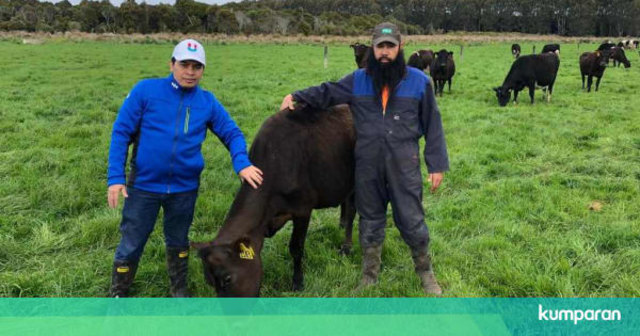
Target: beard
[{"x": 389, "y": 74}]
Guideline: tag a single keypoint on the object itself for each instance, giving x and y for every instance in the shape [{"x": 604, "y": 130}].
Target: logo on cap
[
  {"x": 387, "y": 30},
  {"x": 193, "y": 48}
]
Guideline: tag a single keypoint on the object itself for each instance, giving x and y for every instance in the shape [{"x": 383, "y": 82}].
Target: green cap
[{"x": 386, "y": 32}]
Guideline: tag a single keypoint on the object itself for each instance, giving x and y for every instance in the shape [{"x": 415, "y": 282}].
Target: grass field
[{"x": 512, "y": 217}]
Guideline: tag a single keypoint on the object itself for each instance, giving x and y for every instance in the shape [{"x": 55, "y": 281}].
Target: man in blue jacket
[
  {"x": 393, "y": 106},
  {"x": 166, "y": 121}
]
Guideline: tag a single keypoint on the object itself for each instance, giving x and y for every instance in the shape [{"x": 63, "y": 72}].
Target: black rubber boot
[
  {"x": 370, "y": 265},
  {"x": 422, "y": 261},
  {"x": 178, "y": 265},
  {"x": 122, "y": 278}
]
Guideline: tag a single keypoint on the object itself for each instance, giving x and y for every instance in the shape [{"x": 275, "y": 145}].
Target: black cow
[
  {"x": 606, "y": 46},
  {"x": 529, "y": 71},
  {"x": 515, "y": 50},
  {"x": 442, "y": 70},
  {"x": 361, "y": 53},
  {"x": 554, "y": 48},
  {"x": 618, "y": 57},
  {"x": 421, "y": 59},
  {"x": 593, "y": 64},
  {"x": 308, "y": 163}
]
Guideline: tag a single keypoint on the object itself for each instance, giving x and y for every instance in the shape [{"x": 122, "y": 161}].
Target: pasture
[{"x": 541, "y": 200}]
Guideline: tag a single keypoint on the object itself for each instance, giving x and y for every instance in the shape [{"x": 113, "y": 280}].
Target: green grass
[{"x": 511, "y": 219}]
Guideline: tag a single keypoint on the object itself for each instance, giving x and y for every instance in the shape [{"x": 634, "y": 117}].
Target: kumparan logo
[
  {"x": 576, "y": 315},
  {"x": 387, "y": 30},
  {"x": 192, "y": 47}
]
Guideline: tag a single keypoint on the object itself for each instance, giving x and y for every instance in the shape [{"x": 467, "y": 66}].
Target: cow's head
[
  {"x": 234, "y": 269},
  {"x": 602, "y": 57},
  {"x": 504, "y": 95},
  {"x": 442, "y": 58}
]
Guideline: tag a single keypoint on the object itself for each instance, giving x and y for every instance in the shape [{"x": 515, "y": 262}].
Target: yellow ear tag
[
  {"x": 183, "y": 254},
  {"x": 246, "y": 252},
  {"x": 122, "y": 269}
]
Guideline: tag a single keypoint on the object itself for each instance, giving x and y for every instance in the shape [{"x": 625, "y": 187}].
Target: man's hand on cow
[
  {"x": 114, "y": 193},
  {"x": 435, "y": 179},
  {"x": 251, "y": 175},
  {"x": 287, "y": 102}
]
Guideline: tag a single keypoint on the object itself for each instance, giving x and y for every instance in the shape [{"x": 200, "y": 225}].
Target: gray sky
[{"x": 151, "y": 2}]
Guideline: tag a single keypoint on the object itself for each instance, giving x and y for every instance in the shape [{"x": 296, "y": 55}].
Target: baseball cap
[
  {"x": 189, "y": 50},
  {"x": 386, "y": 32}
]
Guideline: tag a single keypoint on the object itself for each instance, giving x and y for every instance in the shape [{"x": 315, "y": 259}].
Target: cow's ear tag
[{"x": 246, "y": 252}]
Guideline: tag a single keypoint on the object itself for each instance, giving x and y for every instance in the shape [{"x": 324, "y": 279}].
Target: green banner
[{"x": 296, "y": 316}]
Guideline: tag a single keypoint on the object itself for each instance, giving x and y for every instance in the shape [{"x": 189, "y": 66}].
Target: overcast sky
[{"x": 151, "y": 2}]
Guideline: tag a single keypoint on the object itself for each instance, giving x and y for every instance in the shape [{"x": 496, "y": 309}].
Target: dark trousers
[
  {"x": 391, "y": 176},
  {"x": 139, "y": 217}
]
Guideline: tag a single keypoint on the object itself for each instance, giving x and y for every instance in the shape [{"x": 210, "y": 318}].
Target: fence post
[
  {"x": 326, "y": 56},
  {"x": 534, "y": 50},
  {"x": 461, "y": 49}
]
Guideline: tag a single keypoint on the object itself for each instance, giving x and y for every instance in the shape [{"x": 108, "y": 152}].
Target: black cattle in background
[
  {"x": 442, "y": 70},
  {"x": 515, "y": 50},
  {"x": 593, "y": 64},
  {"x": 554, "y": 47},
  {"x": 618, "y": 56},
  {"x": 421, "y": 59},
  {"x": 529, "y": 71},
  {"x": 606, "y": 46},
  {"x": 361, "y": 53}
]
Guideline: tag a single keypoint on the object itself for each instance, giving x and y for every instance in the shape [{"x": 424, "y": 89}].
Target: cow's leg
[
  {"x": 589, "y": 81},
  {"x": 347, "y": 215},
  {"x": 598, "y": 83},
  {"x": 449, "y": 81},
  {"x": 549, "y": 92},
  {"x": 296, "y": 248},
  {"x": 515, "y": 96},
  {"x": 582, "y": 75},
  {"x": 532, "y": 90}
]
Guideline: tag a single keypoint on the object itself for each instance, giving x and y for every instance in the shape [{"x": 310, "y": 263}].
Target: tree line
[{"x": 328, "y": 17}]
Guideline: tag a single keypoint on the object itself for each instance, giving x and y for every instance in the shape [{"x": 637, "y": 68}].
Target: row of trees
[{"x": 332, "y": 17}]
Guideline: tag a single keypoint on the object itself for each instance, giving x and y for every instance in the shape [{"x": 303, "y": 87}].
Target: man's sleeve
[
  {"x": 435, "y": 149},
  {"x": 327, "y": 94},
  {"x": 124, "y": 129},
  {"x": 230, "y": 135}
]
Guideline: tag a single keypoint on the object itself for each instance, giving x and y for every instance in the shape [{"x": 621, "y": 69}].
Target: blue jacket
[
  {"x": 166, "y": 125},
  {"x": 412, "y": 112}
]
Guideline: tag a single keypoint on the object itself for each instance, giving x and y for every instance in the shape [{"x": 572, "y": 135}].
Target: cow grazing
[
  {"x": 307, "y": 157},
  {"x": 618, "y": 57},
  {"x": 361, "y": 53},
  {"x": 442, "y": 70},
  {"x": 421, "y": 59},
  {"x": 555, "y": 48},
  {"x": 529, "y": 71},
  {"x": 515, "y": 50},
  {"x": 593, "y": 64}
]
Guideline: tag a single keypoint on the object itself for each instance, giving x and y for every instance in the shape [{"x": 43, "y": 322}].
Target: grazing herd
[
  {"x": 529, "y": 71},
  {"x": 308, "y": 163}
]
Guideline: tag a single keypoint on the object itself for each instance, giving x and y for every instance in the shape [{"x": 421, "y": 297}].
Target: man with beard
[{"x": 393, "y": 106}]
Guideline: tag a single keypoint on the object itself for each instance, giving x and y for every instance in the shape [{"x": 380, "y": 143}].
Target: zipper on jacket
[
  {"x": 175, "y": 143},
  {"x": 186, "y": 120}
]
